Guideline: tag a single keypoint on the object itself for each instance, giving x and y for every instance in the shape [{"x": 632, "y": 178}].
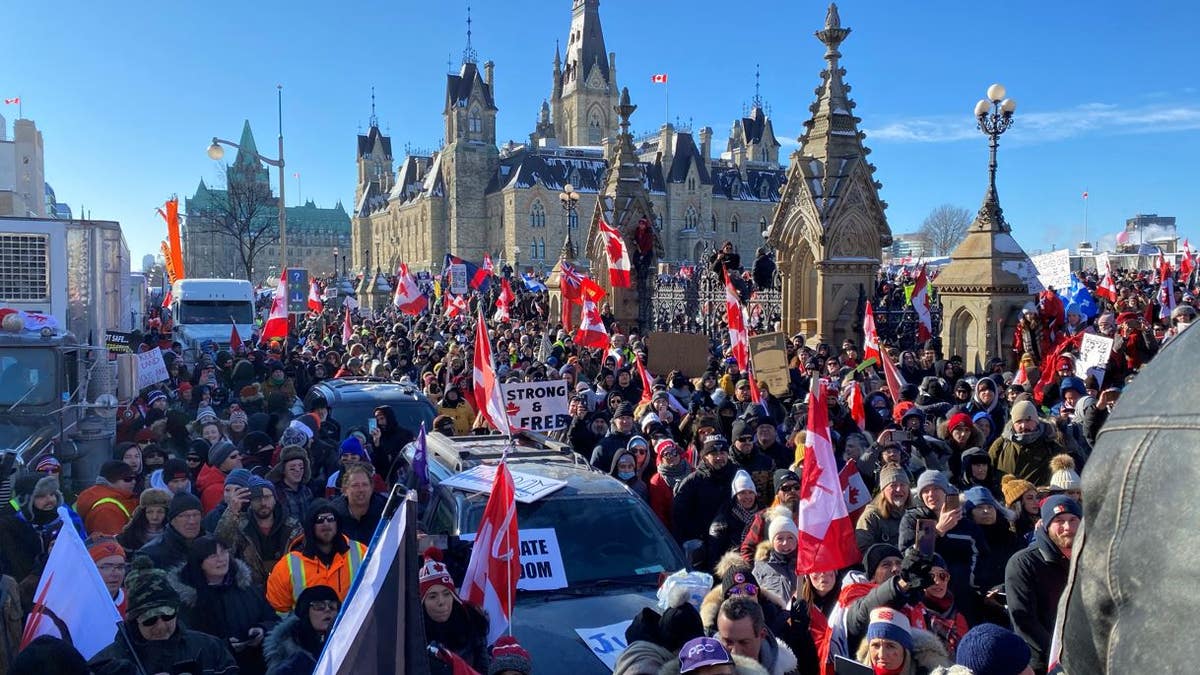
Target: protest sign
[
  {"x": 768, "y": 355},
  {"x": 685, "y": 352},
  {"x": 606, "y": 642},
  {"x": 151, "y": 369},
  {"x": 1093, "y": 356},
  {"x": 458, "y": 278},
  {"x": 536, "y": 406},
  {"x": 542, "y": 566},
  {"x": 1053, "y": 269},
  {"x": 117, "y": 343},
  {"x": 527, "y": 488}
]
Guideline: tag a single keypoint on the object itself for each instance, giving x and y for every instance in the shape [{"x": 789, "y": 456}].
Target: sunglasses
[
  {"x": 325, "y": 605},
  {"x": 744, "y": 589},
  {"x": 640, "y": 451},
  {"x": 789, "y": 487},
  {"x": 941, "y": 576},
  {"x": 147, "y": 623},
  {"x": 326, "y": 518},
  {"x": 745, "y": 439},
  {"x": 670, "y": 453}
]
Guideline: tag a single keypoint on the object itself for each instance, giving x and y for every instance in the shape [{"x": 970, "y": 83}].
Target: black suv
[{"x": 352, "y": 402}]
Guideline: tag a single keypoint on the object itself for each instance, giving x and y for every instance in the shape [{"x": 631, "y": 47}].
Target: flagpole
[{"x": 1085, "y": 213}]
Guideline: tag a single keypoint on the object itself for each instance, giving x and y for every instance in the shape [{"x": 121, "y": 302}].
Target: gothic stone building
[
  {"x": 473, "y": 197},
  {"x": 313, "y": 233}
]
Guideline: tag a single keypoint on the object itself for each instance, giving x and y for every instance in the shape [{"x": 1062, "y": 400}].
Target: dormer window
[{"x": 475, "y": 121}]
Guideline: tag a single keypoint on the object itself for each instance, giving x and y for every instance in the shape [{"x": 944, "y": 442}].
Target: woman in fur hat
[{"x": 148, "y": 520}]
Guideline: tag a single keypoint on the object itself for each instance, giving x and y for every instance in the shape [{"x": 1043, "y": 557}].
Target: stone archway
[
  {"x": 800, "y": 291},
  {"x": 961, "y": 334},
  {"x": 698, "y": 253}
]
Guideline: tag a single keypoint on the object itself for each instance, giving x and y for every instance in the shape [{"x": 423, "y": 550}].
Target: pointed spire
[
  {"x": 374, "y": 121},
  {"x": 833, "y": 129},
  {"x": 757, "y": 96},
  {"x": 247, "y": 148},
  {"x": 469, "y": 54}
]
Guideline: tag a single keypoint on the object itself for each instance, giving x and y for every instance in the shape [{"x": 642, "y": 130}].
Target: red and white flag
[
  {"x": 739, "y": 341},
  {"x": 408, "y": 298},
  {"x": 314, "y": 297},
  {"x": 1164, "y": 266},
  {"x": 504, "y": 302},
  {"x": 858, "y": 410},
  {"x": 455, "y": 305},
  {"x": 488, "y": 400},
  {"x": 1166, "y": 297},
  {"x": 347, "y": 328},
  {"x": 236, "y": 344},
  {"x": 826, "y": 530},
  {"x": 920, "y": 303},
  {"x": 855, "y": 490},
  {"x": 491, "y": 579},
  {"x": 647, "y": 383},
  {"x": 871, "y": 350},
  {"x": 1022, "y": 377},
  {"x": 1107, "y": 289},
  {"x": 487, "y": 264},
  {"x": 658, "y": 78},
  {"x": 71, "y": 601},
  {"x": 277, "y": 321},
  {"x": 1187, "y": 263},
  {"x": 12, "y": 101},
  {"x": 1085, "y": 194},
  {"x": 618, "y": 256},
  {"x": 592, "y": 333}
]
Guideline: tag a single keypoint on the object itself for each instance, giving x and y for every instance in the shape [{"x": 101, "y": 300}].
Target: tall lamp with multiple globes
[
  {"x": 994, "y": 115},
  {"x": 569, "y": 199}
]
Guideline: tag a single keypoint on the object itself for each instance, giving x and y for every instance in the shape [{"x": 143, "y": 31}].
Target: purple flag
[{"x": 420, "y": 461}]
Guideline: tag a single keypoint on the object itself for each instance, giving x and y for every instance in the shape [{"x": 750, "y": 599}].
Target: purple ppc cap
[{"x": 700, "y": 652}]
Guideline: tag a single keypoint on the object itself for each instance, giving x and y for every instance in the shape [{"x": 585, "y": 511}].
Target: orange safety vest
[
  {"x": 111, "y": 500},
  {"x": 298, "y": 571}
]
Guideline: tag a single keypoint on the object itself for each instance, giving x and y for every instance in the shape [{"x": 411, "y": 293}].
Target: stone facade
[
  {"x": 830, "y": 227},
  {"x": 22, "y": 171},
  {"x": 471, "y": 197}
]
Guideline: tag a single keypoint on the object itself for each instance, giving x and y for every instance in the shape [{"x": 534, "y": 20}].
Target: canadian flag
[
  {"x": 618, "y": 256},
  {"x": 17, "y": 100},
  {"x": 854, "y": 401},
  {"x": 277, "y": 321},
  {"x": 504, "y": 302},
  {"x": 1166, "y": 297},
  {"x": 495, "y": 566},
  {"x": 347, "y": 329},
  {"x": 408, "y": 298},
  {"x": 71, "y": 601},
  {"x": 591, "y": 333},
  {"x": 488, "y": 400},
  {"x": 455, "y": 305},
  {"x": 920, "y": 303},
  {"x": 855, "y": 490},
  {"x": 1106, "y": 288},
  {"x": 826, "y": 530},
  {"x": 658, "y": 78},
  {"x": 1022, "y": 377},
  {"x": 1164, "y": 267},
  {"x": 871, "y": 350},
  {"x": 236, "y": 344},
  {"x": 1187, "y": 263},
  {"x": 647, "y": 383},
  {"x": 739, "y": 341},
  {"x": 314, "y": 297}
]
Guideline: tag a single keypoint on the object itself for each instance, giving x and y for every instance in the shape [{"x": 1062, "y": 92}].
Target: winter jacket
[
  {"x": 963, "y": 549},
  {"x": 606, "y": 449},
  {"x": 301, "y": 569},
  {"x": 161, "y": 656},
  {"x": 227, "y": 610},
  {"x": 727, "y": 531},
  {"x": 662, "y": 496},
  {"x": 874, "y": 527},
  {"x": 1028, "y": 459},
  {"x": 757, "y": 531},
  {"x": 360, "y": 529},
  {"x": 105, "y": 509},
  {"x": 928, "y": 653},
  {"x": 167, "y": 549},
  {"x": 775, "y": 572},
  {"x": 283, "y": 652},
  {"x": 240, "y": 534},
  {"x": 697, "y": 500},
  {"x": 761, "y": 469},
  {"x": 1034, "y": 581},
  {"x": 210, "y": 487},
  {"x": 12, "y": 619},
  {"x": 964, "y": 480}
]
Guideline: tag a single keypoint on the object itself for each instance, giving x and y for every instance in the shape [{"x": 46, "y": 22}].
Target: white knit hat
[
  {"x": 782, "y": 523},
  {"x": 742, "y": 481},
  {"x": 1064, "y": 477}
]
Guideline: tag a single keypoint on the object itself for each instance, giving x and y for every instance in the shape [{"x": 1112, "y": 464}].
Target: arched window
[
  {"x": 691, "y": 220},
  {"x": 537, "y": 215},
  {"x": 475, "y": 121},
  {"x": 542, "y": 248},
  {"x": 733, "y": 223},
  {"x": 595, "y": 127},
  {"x": 762, "y": 224}
]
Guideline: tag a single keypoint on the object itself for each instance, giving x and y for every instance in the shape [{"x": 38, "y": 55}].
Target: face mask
[
  {"x": 625, "y": 475},
  {"x": 277, "y": 379}
]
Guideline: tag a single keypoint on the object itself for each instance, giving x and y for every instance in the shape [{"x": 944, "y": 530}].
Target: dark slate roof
[
  {"x": 458, "y": 87},
  {"x": 758, "y": 185},
  {"x": 827, "y": 182},
  {"x": 371, "y": 201},
  {"x": 366, "y": 143},
  {"x": 684, "y": 155},
  {"x": 754, "y": 126},
  {"x": 418, "y": 175},
  {"x": 552, "y": 169}
]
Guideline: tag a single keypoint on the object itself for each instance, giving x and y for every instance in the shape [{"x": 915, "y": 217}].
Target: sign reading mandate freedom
[
  {"x": 536, "y": 406},
  {"x": 541, "y": 559}
]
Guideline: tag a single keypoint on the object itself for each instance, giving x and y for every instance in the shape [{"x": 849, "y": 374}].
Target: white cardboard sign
[
  {"x": 1054, "y": 269},
  {"x": 1093, "y": 356},
  {"x": 151, "y": 369},
  {"x": 458, "y": 279},
  {"x": 606, "y": 642},
  {"x": 527, "y": 488},
  {"x": 541, "y": 560},
  {"x": 536, "y": 406}
]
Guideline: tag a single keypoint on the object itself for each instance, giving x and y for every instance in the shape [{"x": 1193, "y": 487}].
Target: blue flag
[
  {"x": 532, "y": 284},
  {"x": 1078, "y": 297},
  {"x": 478, "y": 278}
]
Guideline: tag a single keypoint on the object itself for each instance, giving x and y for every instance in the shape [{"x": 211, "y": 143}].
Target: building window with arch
[
  {"x": 762, "y": 224},
  {"x": 595, "y": 127},
  {"x": 733, "y": 223},
  {"x": 475, "y": 121},
  {"x": 537, "y": 215},
  {"x": 691, "y": 219}
]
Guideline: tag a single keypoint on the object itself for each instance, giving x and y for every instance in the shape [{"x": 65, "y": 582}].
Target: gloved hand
[
  {"x": 916, "y": 570},
  {"x": 799, "y": 613}
]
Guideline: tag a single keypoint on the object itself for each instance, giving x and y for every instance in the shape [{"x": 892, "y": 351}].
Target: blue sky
[{"x": 128, "y": 94}]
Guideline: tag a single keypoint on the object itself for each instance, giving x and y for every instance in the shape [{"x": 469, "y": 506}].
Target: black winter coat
[
  {"x": 161, "y": 656},
  {"x": 1034, "y": 581},
  {"x": 697, "y": 500},
  {"x": 285, "y": 655},
  {"x": 606, "y": 449},
  {"x": 226, "y": 611},
  {"x": 964, "y": 548},
  {"x": 167, "y": 550},
  {"x": 360, "y": 530}
]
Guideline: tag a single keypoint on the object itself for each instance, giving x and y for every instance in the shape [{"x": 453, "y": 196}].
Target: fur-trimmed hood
[
  {"x": 187, "y": 592},
  {"x": 275, "y": 475},
  {"x": 283, "y": 642},
  {"x": 928, "y": 652},
  {"x": 711, "y": 604}
]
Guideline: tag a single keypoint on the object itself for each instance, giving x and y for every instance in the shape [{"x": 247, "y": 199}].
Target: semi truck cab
[{"x": 205, "y": 310}]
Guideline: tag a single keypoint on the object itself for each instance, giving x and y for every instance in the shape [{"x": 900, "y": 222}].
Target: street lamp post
[
  {"x": 216, "y": 152},
  {"x": 994, "y": 116},
  {"x": 517, "y": 258},
  {"x": 335, "y": 255},
  {"x": 569, "y": 199}
]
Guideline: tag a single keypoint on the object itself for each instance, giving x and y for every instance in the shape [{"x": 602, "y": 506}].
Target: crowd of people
[{"x": 231, "y": 520}]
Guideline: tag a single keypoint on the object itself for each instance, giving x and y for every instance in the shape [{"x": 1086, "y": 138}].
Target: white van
[{"x": 207, "y": 309}]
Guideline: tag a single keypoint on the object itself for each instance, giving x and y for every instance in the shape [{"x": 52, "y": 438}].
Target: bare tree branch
[
  {"x": 944, "y": 228},
  {"x": 247, "y": 216}
]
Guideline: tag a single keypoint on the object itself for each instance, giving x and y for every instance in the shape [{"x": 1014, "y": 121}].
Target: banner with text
[
  {"x": 541, "y": 560},
  {"x": 536, "y": 406},
  {"x": 1093, "y": 356},
  {"x": 1054, "y": 269},
  {"x": 768, "y": 355},
  {"x": 527, "y": 488},
  {"x": 606, "y": 642},
  {"x": 117, "y": 343},
  {"x": 458, "y": 279},
  {"x": 151, "y": 369}
]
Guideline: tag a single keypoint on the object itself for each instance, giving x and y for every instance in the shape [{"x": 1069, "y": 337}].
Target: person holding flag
[{"x": 451, "y": 624}]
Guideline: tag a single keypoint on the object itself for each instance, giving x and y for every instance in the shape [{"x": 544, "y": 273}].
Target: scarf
[
  {"x": 744, "y": 515},
  {"x": 674, "y": 475}
]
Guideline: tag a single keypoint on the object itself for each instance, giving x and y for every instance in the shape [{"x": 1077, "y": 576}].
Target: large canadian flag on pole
[
  {"x": 920, "y": 303},
  {"x": 618, "y": 256},
  {"x": 504, "y": 302},
  {"x": 488, "y": 400},
  {"x": 408, "y": 298},
  {"x": 592, "y": 333},
  {"x": 347, "y": 328},
  {"x": 826, "y": 531},
  {"x": 871, "y": 350},
  {"x": 277, "y": 321},
  {"x": 71, "y": 601},
  {"x": 491, "y": 579},
  {"x": 314, "y": 297},
  {"x": 739, "y": 340}
]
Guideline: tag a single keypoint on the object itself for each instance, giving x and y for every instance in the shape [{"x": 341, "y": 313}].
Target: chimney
[
  {"x": 489, "y": 70},
  {"x": 706, "y": 143}
]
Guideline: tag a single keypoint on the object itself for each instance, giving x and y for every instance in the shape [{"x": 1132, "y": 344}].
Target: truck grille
[{"x": 24, "y": 267}]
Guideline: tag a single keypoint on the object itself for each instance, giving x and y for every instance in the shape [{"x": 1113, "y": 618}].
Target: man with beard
[
  {"x": 1025, "y": 447},
  {"x": 1036, "y": 576},
  {"x": 323, "y": 556},
  {"x": 259, "y": 535},
  {"x": 701, "y": 494}
]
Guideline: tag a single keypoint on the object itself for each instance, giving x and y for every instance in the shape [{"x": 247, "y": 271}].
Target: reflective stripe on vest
[
  {"x": 111, "y": 500},
  {"x": 298, "y": 574},
  {"x": 354, "y": 558}
]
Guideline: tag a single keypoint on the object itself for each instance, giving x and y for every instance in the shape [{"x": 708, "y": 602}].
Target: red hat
[
  {"x": 662, "y": 446},
  {"x": 1125, "y": 317},
  {"x": 185, "y": 386},
  {"x": 958, "y": 420},
  {"x": 434, "y": 573},
  {"x": 144, "y": 435}
]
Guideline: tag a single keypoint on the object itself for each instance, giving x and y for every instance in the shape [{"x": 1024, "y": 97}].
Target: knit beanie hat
[
  {"x": 1058, "y": 505},
  {"x": 1064, "y": 476},
  {"x": 154, "y": 497},
  {"x": 507, "y": 655},
  {"x": 933, "y": 478},
  {"x": 220, "y": 452},
  {"x": 623, "y": 409},
  {"x": 782, "y": 476},
  {"x": 979, "y": 496},
  {"x": 714, "y": 442},
  {"x": 149, "y": 592},
  {"x": 255, "y": 440},
  {"x": 239, "y": 477},
  {"x": 434, "y": 573},
  {"x": 662, "y": 446},
  {"x": 114, "y": 470},
  {"x": 313, "y": 594},
  {"x": 957, "y": 420},
  {"x": 353, "y": 446},
  {"x": 173, "y": 469},
  {"x": 48, "y": 464},
  {"x": 782, "y": 523},
  {"x": 739, "y": 575},
  {"x": 876, "y": 554},
  {"x": 182, "y": 503},
  {"x": 893, "y": 473},
  {"x": 198, "y": 449},
  {"x": 99, "y": 548},
  {"x": 890, "y": 624},
  {"x": 1013, "y": 488},
  {"x": 1023, "y": 410},
  {"x": 260, "y": 486},
  {"x": 205, "y": 414},
  {"x": 988, "y": 649},
  {"x": 680, "y": 624},
  {"x": 236, "y": 414},
  {"x": 743, "y": 481}
]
